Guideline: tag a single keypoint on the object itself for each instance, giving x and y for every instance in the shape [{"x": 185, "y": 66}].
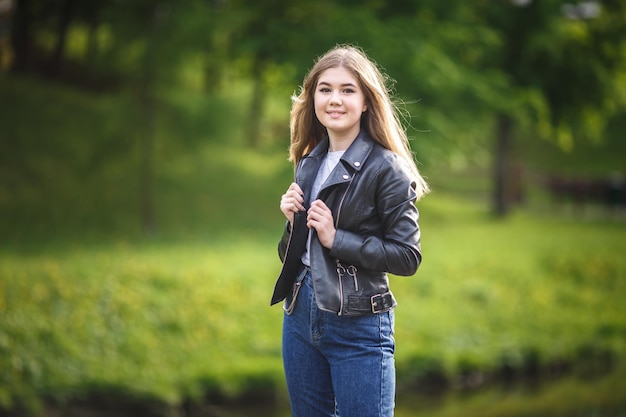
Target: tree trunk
[
  {"x": 21, "y": 36},
  {"x": 93, "y": 19},
  {"x": 502, "y": 155},
  {"x": 146, "y": 175},
  {"x": 65, "y": 18},
  {"x": 147, "y": 102},
  {"x": 213, "y": 72}
]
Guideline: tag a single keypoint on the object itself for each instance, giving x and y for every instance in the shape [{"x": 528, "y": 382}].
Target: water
[{"x": 572, "y": 396}]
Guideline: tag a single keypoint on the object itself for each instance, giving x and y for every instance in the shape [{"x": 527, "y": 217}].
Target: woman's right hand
[{"x": 292, "y": 201}]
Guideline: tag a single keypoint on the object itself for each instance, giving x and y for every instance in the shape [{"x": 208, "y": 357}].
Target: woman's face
[{"x": 339, "y": 103}]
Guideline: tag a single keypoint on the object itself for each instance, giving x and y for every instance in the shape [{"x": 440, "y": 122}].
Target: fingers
[
  {"x": 319, "y": 207},
  {"x": 295, "y": 187},
  {"x": 293, "y": 198},
  {"x": 320, "y": 218},
  {"x": 319, "y": 215},
  {"x": 292, "y": 201}
]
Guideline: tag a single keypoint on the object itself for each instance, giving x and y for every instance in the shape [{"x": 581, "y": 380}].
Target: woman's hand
[
  {"x": 320, "y": 218},
  {"x": 292, "y": 201}
]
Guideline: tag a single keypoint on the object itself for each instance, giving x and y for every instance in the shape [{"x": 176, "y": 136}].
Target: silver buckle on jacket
[{"x": 379, "y": 303}]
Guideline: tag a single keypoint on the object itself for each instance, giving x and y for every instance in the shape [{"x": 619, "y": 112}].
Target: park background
[{"x": 143, "y": 152}]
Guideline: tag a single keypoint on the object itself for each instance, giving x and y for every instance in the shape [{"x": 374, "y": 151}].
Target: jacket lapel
[
  {"x": 305, "y": 176},
  {"x": 354, "y": 158}
]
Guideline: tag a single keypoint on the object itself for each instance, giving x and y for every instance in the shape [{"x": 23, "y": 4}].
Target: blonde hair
[{"x": 381, "y": 120}]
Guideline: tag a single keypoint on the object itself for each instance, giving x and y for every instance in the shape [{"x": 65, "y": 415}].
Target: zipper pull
[
  {"x": 340, "y": 270},
  {"x": 351, "y": 270}
]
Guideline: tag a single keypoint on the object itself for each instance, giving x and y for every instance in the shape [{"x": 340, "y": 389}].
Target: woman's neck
[{"x": 340, "y": 144}]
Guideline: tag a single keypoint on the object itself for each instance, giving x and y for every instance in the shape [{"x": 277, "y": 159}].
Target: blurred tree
[
  {"x": 275, "y": 35},
  {"x": 562, "y": 67},
  {"x": 162, "y": 34},
  {"x": 542, "y": 69},
  {"x": 145, "y": 43},
  {"x": 40, "y": 33},
  {"x": 65, "y": 16},
  {"x": 22, "y": 35}
]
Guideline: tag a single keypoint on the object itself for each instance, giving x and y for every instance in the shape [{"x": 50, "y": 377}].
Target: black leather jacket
[{"x": 372, "y": 198}]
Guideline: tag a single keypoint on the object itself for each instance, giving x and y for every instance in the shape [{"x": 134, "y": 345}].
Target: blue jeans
[{"x": 337, "y": 365}]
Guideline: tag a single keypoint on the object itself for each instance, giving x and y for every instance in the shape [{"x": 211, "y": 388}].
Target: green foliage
[
  {"x": 75, "y": 170},
  {"x": 458, "y": 64}
]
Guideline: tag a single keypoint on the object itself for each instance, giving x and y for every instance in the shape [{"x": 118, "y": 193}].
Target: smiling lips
[{"x": 335, "y": 113}]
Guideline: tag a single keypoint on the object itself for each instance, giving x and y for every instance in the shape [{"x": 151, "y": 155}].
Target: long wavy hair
[{"x": 381, "y": 120}]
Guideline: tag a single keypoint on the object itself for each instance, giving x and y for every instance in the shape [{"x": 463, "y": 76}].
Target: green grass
[
  {"x": 91, "y": 308},
  {"x": 166, "y": 322}
]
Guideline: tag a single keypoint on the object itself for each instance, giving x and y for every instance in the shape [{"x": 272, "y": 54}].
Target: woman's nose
[{"x": 335, "y": 98}]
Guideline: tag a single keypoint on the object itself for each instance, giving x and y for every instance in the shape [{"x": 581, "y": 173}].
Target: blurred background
[{"x": 143, "y": 152}]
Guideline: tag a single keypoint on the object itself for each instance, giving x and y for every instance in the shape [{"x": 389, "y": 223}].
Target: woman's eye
[
  {"x": 348, "y": 91},
  {"x": 324, "y": 90}
]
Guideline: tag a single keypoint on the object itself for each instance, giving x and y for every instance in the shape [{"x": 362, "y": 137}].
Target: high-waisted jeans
[{"x": 337, "y": 365}]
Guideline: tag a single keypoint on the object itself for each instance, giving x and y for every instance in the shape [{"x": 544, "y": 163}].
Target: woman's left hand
[{"x": 320, "y": 218}]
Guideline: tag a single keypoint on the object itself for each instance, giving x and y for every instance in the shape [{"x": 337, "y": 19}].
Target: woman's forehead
[{"x": 337, "y": 76}]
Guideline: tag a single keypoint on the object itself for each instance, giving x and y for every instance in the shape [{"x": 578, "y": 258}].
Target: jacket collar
[
  {"x": 355, "y": 155},
  {"x": 352, "y": 160}
]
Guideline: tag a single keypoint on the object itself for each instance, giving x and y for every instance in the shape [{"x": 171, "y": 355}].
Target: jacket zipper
[
  {"x": 289, "y": 240},
  {"x": 342, "y": 199},
  {"x": 337, "y": 260},
  {"x": 340, "y": 294}
]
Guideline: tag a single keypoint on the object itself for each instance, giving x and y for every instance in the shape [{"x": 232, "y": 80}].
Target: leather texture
[{"x": 372, "y": 198}]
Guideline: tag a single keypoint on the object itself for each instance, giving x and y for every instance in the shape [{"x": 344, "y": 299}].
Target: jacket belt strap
[{"x": 378, "y": 303}]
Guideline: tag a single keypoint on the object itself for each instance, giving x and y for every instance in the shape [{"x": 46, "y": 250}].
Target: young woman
[{"x": 351, "y": 219}]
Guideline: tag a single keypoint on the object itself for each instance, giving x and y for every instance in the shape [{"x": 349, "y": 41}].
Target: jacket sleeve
[{"x": 397, "y": 248}]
